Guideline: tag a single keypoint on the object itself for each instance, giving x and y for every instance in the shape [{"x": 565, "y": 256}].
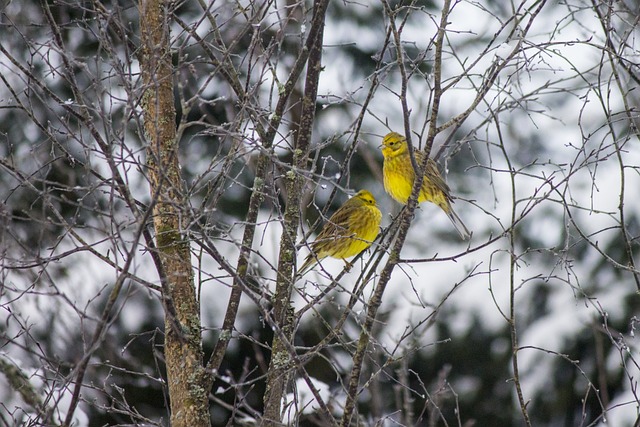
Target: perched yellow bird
[
  {"x": 399, "y": 175},
  {"x": 349, "y": 231}
]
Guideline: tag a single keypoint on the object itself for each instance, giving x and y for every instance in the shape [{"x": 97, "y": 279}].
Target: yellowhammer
[
  {"x": 399, "y": 175},
  {"x": 349, "y": 231}
]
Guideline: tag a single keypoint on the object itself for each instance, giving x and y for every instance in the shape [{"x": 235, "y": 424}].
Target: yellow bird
[
  {"x": 399, "y": 175},
  {"x": 349, "y": 231}
]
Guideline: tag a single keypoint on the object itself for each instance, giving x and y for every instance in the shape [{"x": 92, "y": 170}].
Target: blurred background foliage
[{"x": 55, "y": 181}]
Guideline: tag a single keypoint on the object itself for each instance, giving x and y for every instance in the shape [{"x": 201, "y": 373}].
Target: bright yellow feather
[{"x": 399, "y": 175}]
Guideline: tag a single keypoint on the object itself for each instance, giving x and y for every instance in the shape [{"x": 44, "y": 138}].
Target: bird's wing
[
  {"x": 432, "y": 172},
  {"x": 435, "y": 177},
  {"x": 337, "y": 225}
]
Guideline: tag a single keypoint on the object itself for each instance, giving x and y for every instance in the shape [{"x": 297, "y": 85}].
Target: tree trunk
[
  {"x": 280, "y": 366},
  {"x": 183, "y": 348}
]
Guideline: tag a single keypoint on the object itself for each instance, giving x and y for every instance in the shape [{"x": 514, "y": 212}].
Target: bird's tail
[
  {"x": 310, "y": 261},
  {"x": 462, "y": 230}
]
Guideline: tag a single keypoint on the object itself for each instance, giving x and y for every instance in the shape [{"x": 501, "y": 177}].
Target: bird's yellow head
[
  {"x": 393, "y": 144},
  {"x": 364, "y": 197}
]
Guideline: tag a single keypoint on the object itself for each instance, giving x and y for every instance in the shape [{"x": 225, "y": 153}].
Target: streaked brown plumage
[{"x": 349, "y": 231}]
